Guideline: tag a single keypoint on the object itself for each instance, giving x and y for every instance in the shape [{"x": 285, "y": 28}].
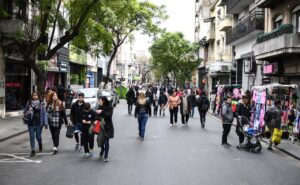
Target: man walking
[
  {"x": 227, "y": 119},
  {"x": 203, "y": 106}
]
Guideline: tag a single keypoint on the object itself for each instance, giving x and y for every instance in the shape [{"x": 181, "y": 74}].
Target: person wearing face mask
[
  {"x": 39, "y": 119},
  {"x": 76, "y": 119},
  {"x": 105, "y": 112},
  {"x": 173, "y": 103},
  {"x": 56, "y": 116}
]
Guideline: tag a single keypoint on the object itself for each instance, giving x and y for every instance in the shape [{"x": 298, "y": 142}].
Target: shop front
[
  {"x": 78, "y": 67},
  {"x": 17, "y": 84}
]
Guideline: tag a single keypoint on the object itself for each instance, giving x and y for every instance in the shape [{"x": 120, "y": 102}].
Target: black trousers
[
  {"x": 202, "y": 116},
  {"x": 239, "y": 133},
  {"x": 185, "y": 118},
  {"x": 129, "y": 108},
  {"x": 226, "y": 130},
  {"x": 87, "y": 139},
  {"x": 155, "y": 110},
  {"x": 55, "y": 131},
  {"x": 173, "y": 115}
]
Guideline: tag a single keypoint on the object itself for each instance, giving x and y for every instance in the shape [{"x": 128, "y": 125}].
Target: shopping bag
[
  {"x": 276, "y": 137},
  {"x": 97, "y": 127},
  {"x": 70, "y": 131}
]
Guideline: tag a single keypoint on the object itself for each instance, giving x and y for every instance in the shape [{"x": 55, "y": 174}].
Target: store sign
[
  {"x": 12, "y": 84},
  {"x": 266, "y": 80},
  {"x": 271, "y": 69}
]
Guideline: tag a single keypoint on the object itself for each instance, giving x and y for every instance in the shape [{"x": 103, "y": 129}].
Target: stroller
[{"x": 251, "y": 142}]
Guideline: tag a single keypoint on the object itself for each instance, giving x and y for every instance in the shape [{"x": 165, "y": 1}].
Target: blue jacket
[{"x": 43, "y": 112}]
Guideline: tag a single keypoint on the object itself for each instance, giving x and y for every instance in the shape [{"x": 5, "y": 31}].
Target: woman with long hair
[
  {"x": 39, "y": 119},
  {"x": 105, "y": 112},
  {"x": 142, "y": 111},
  {"x": 56, "y": 116}
]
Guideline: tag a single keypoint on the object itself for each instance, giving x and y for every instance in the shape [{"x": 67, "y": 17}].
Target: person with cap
[
  {"x": 203, "y": 106},
  {"x": 76, "y": 119},
  {"x": 185, "y": 108},
  {"x": 227, "y": 119}
]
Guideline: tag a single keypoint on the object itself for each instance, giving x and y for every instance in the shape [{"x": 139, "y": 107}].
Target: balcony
[
  {"x": 211, "y": 35},
  {"x": 266, "y": 3},
  {"x": 226, "y": 23},
  {"x": 246, "y": 29},
  {"x": 279, "y": 42},
  {"x": 11, "y": 27},
  {"x": 237, "y": 6}
]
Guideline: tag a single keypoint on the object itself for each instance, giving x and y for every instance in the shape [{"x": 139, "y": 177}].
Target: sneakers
[
  {"x": 54, "y": 151},
  {"x": 91, "y": 153},
  {"x": 106, "y": 159},
  {"x": 142, "y": 139},
  {"x": 32, "y": 154},
  {"x": 86, "y": 155},
  {"x": 171, "y": 125}
]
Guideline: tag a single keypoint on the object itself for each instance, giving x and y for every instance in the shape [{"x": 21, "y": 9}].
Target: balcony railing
[
  {"x": 283, "y": 29},
  {"x": 250, "y": 24}
]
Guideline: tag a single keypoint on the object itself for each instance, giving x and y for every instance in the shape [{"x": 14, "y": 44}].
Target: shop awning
[{"x": 274, "y": 85}]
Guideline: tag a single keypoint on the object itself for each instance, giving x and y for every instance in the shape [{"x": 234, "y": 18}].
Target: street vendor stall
[
  {"x": 263, "y": 97},
  {"x": 223, "y": 90}
]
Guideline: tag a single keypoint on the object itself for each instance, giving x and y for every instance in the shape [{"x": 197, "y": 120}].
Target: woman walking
[
  {"x": 173, "y": 103},
  {"x": 56, "y": 116},
  {"x": 36, "y": 107},
  {"x": 105, "y": 112},
  {"x": 142, "y": 111}
]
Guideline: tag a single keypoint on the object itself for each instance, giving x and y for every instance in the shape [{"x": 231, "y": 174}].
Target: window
[
  {"x": 277, "y": 21},
  {"x": 296, "y": 18}
]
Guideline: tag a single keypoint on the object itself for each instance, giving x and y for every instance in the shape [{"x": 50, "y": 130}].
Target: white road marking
[{"x": 11, "y": 158}]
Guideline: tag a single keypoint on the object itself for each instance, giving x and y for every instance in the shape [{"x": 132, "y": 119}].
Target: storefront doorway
[{"x": 17, "y": 85}]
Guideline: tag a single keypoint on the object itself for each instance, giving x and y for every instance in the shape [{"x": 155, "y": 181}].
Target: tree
[
  {"x": 45, "y": 18},
  {"x": 174, "y": 56},
  {"x": 114, "y": 21}
]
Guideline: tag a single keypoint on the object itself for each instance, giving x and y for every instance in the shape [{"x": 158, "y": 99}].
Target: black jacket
[
  {"x": 192, "y": 99},
  {"x": 243, "y": 110},
  {"x": 130, "y": 97},
  {"x": 106, "y": 114},
  {"x": 142, "y": 108},
  {"x": 163, "y": 99},
  {"x": 203, "y": 100},
  {"x": 76, "y": 113},
  {"x": 88, "y": 116}
]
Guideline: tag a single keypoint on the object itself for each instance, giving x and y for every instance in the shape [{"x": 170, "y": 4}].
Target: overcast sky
[{"x": 181, "y": 18}]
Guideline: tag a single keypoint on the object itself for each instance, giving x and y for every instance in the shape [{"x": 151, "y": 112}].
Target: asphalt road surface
[{"x": 168, "y": 156}]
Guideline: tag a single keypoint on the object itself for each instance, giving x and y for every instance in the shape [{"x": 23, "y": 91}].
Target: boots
[
  {"x": 40, "y": 147},
  {"x": 32, "y": 154}
]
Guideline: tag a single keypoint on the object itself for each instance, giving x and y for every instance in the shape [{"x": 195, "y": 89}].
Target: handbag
[
  {"x": 97, "y": 127},
  {"x": 27, "y": 117},
  {"x": 70, "y": 131}
]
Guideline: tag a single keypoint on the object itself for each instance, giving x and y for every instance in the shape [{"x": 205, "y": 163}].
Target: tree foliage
[
  {"x": 113, "y": 23},
  {"x": 173, "y": 56}
]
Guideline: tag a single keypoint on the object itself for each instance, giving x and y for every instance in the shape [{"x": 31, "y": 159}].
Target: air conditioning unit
[{"x": 225, "y": 69}]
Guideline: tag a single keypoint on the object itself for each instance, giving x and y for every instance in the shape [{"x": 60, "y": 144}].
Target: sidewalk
[
  {"x": 11, "y": 126},
  {"x": 285, "y": 146}
]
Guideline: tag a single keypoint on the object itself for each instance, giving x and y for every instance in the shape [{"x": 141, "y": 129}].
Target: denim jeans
[
  {"x": 105, "y": 147},
  {"x": 142, "y": 120},
  {"x": 35, "y": 131}
]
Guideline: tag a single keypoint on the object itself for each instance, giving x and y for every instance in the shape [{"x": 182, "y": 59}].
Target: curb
[
  {"x": 263, "y": 140},
  {"x": 12, "y": 136}
]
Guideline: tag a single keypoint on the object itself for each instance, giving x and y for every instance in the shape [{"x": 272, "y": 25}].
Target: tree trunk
[{"x": 109, "y": 66}]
